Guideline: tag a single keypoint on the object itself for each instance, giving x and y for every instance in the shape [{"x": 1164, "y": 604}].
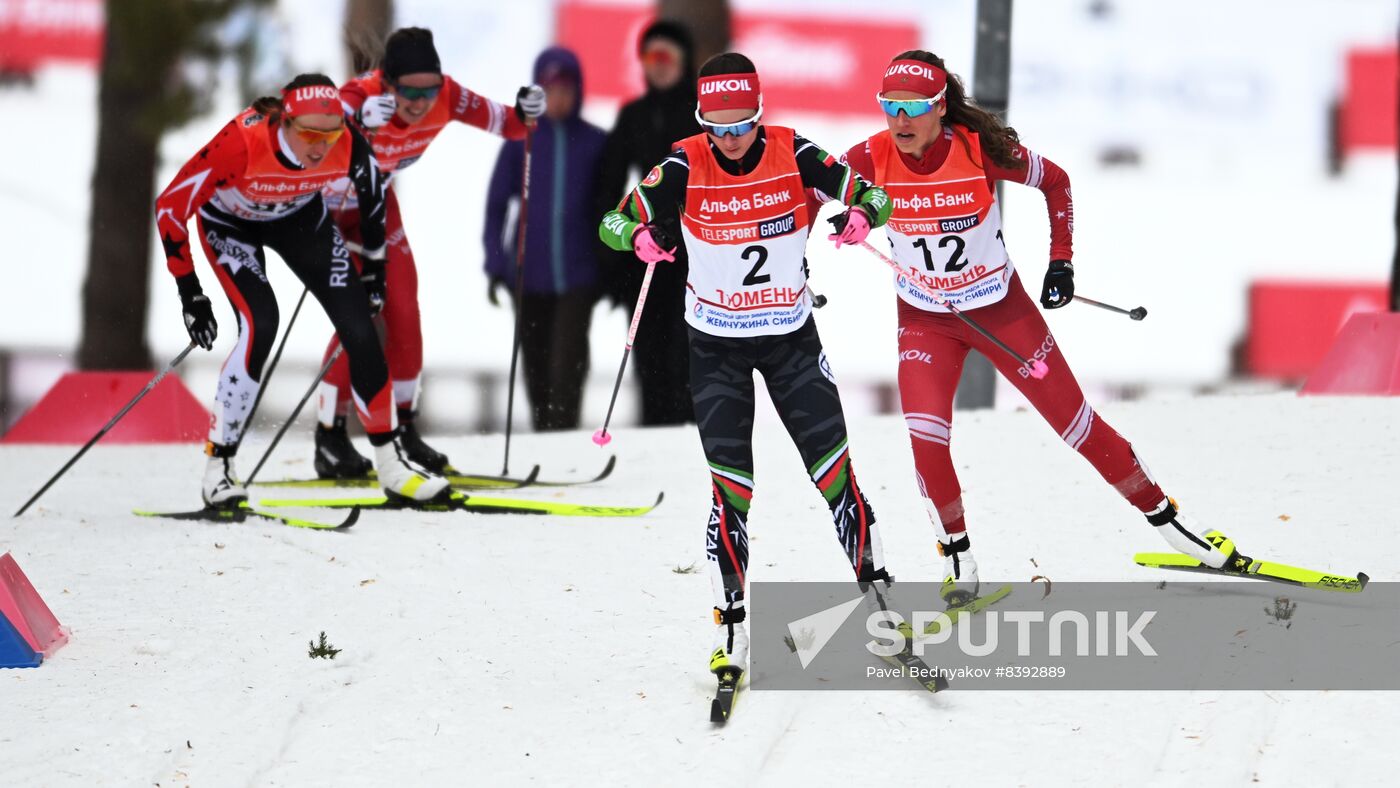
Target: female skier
[
  {"x": 401, "y": 108},
  {"x": 939, "y": 160},
  {"x": 738, "y": 190},
  {"x": 258, "y": 184}
]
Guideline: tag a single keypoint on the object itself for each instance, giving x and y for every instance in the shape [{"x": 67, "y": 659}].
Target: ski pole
[
  {"x": 1137, "y": 313},
  {"x": 110, "y": 424},
  {"x": 272, "y": 366},
  {"x": 601, "y": 437},
  {"x": 296, "y": 412},
  {"x": 519, "y": 293},
  {"x": 1035, "y": 367}
]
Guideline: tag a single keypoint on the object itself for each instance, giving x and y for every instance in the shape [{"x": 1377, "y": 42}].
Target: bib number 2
[{"x": 760, "y": 256}]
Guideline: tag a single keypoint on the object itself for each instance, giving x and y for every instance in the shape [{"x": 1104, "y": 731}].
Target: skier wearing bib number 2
[
  {"x": 939, "y": 160},
  {"x": 738, "y": 189}
]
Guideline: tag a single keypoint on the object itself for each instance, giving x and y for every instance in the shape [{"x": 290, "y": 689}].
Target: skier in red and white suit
[
  {"x": 401, "y": 107},
  {"x": 939, "y": 160}
]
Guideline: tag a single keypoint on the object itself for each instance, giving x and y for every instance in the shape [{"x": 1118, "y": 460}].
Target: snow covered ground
[{"x": 566, "y": 651}]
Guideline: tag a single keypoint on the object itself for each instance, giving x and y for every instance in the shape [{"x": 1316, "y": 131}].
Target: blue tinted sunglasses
[
  {"x": 911, "y": 107},
  {"x": 413, "y": 94},
  {"x": 737, "y": 129}
]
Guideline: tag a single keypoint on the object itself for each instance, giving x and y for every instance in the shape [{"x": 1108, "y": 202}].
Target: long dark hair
[
  {"x": 271, "y": 106},
  {"x": 998, "y": 139}
]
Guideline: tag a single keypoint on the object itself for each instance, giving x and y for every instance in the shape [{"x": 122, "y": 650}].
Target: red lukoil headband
[
  {"x": 311, "y": 100},
  {"x": 923, "y": 78},
  {"x": 728, "y": 91}
]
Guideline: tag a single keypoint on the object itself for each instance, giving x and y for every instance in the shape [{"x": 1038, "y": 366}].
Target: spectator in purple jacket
[{"x": 561, "y": 242}]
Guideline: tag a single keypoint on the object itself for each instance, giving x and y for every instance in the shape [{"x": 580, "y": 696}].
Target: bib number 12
[
  {"x": 760, "y": 255},
  {"x": 955, "y": 260}
]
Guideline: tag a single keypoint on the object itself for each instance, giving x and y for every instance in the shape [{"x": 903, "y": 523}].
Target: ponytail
[
  {"x": 269, "y": 107},
  {"x": 998, "y": 139}
]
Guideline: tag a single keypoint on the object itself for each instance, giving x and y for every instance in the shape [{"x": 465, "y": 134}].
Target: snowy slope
[{"x": 564, "y": 651}]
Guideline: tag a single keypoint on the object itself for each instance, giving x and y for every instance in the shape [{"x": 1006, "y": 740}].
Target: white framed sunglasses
[
  {"x": 737, "y": 129},
  {"x": 911, "y": 107}
]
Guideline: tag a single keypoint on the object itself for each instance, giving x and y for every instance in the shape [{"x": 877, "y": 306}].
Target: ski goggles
[
  {"x": 313, "y": 136},
  {"x": 737, "y": 129},
  {"x": 411, "y": 93},
  {"x": 911, "y": 107}
]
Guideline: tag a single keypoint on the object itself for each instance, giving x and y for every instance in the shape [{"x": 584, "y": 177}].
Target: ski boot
[
  {"x": 221, "y": 489},
  {"x": 728, "y": 661},
  {"x": 960, "y": 583},
  {"x": 404, "y": 480},
  {"x": 336, "y": 457},
  {"x": 876, "y": 591},
  {"x": 1211, "y": 547},
  {"x": 419, "y": 452},
  {"x": 731, "y": 652}
]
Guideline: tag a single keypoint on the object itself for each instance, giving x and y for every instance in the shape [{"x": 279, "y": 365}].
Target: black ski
[
  {"x": 915, "y": 668},
  {"x": 603, "y": 474},
  {"x": 723, "y": 704}
]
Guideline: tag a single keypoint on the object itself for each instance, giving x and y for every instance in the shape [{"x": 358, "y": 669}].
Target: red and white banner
[
  {"x": 811, "y": 63},
  {"x": 34, "y": 32}
]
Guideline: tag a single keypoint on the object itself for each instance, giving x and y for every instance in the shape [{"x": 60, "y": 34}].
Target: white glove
[
  {"x": 372, "y": 254},
  {"x": 529, "y": 102},
  {"x": 377, "y": 110}
]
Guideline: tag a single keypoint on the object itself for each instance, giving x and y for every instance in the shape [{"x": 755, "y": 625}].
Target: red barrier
[
  {"x": 26, "y": 611},
  {"x": 80, "y": 403},
  {"x": 1370, "y": 118},
  {"x": 1365, "y": 359},
  {"x": 1292, "y": 324}
]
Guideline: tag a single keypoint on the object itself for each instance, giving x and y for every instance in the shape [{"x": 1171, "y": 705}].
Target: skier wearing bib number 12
[
  {"x": 738, "y": 191},
  {"x": 939, "y": 160}
]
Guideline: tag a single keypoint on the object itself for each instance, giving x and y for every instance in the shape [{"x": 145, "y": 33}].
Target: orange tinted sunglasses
[
  {"x": 658, "y": 57},
  {"x": 313, "y": 136}
]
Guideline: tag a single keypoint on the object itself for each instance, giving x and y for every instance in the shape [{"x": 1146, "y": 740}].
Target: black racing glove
[
  {"x": 372, "y": 278},
  {"x": 494, "y": 284},
  {"x": 199, "y": 313},
  {"x": 666, "y": 234},
  {"x": 1058, "y": 289}
]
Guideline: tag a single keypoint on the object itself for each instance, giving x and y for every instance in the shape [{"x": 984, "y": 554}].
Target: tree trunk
[
  {"x": 367, "y": 24},
  {"x": 991, "y": 87},
  {"x": 708, "y": 21},
  {"x": 119, "y": 224}
]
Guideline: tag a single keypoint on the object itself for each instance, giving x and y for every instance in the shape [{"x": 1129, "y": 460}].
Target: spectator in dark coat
[
  {"x": 645, "y": 130},
  {"x": 561, "y": 242}
]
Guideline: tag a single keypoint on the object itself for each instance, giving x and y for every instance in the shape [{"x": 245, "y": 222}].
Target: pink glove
[
  {"x": 857, "y": 227},
  {"x": 648, "y": 251}
]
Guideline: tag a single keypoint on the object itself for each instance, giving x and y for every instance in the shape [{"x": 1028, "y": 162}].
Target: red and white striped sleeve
[
  {"x": 1052, "y": 181},
  {"x": 477, "y": 110}
]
